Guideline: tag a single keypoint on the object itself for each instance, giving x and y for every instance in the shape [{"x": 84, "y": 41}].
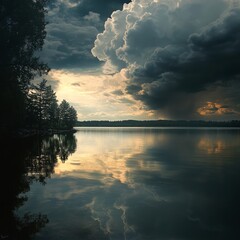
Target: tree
[
  {"x": 22, "y": 34},
  {"x": 42, "y": 106},
  {"x": 43, "y": 110},
  {"x": 22, "y": 31},
  {"x": 67, "y": 115},
  {"x": 52, "y": 111},
  {"x": 72, "y": 119}
]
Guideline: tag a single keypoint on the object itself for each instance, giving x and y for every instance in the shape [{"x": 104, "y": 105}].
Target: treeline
[
  {"x": 23, "y": 105},
  {"x": 159, "y": 123},
  {"x": 43, "y": 110}
]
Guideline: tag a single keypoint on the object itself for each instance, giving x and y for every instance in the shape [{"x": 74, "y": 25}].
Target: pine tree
[
  {"x": 42, "y": 106},
  {"x": 67, "y": 115},
  {"x": 43, "y": 111}
]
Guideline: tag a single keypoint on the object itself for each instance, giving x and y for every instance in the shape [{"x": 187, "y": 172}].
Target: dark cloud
[
  {"x": 103, "y": 8},
  {"x": 175, "y": 55},
  {"x": 118, "y": 92},
  {"x": 211, "y": 56},
  {"x": 126, "y": 101},
  {"x": 71, "y": 31},
  {"x": 78, "y": 84},
  {"x": 68, "y": 46}
]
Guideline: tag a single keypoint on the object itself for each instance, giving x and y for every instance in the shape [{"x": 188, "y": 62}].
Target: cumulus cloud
[{"x": 176, "y": 53}]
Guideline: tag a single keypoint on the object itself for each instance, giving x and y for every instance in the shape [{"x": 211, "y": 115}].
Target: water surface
[{"x": 139, "y": 183}]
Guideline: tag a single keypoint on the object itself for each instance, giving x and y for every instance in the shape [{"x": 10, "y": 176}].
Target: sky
[{"x": 145, "y": 59}]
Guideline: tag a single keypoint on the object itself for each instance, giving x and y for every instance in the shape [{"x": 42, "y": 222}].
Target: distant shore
[{"x": 159, "y": 123}]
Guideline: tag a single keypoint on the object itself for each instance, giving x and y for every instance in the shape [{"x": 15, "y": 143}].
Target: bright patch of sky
[{"x": 96, "y": 96}]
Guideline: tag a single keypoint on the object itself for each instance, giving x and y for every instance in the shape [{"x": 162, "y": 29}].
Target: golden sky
[{"x": 97, "y": 96}]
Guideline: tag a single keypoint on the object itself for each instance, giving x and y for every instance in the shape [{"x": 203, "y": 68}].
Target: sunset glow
[{"x": 98, "y": 96}]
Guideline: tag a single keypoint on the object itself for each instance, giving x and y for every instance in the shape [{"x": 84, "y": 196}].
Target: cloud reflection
[
  {"x": 211, "y": 147},
  {"x": 109, "y": 158}
]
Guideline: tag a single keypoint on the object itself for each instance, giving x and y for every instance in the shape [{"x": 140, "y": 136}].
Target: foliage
[
  {"x": 67, "y": 115},
  {"x": 22, "y": 30},
  {"x": 42, "y": 104},
  {"x": 22, "y": 34},
  {"x": 43, "y": 110},
  {"x": 22, "y": 104}
]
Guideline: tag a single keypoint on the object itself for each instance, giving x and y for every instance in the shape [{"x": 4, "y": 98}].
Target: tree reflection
[
  {"x": 67, "y": 146},
  {"x": 43, "y": 157},
  {"x": 22, "y": 162}
]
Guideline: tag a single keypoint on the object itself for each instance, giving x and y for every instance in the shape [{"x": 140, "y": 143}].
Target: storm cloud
[{"x": 178, "y": 55}]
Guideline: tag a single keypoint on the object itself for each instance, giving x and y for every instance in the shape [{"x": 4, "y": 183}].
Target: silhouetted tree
[
  {"x": 52, "y": 108},
  {"x": 42, "y": 105},
  {"x": 67, "y": 115},
  {"x": 22, "y": 31},
  {"x": 43, "y": 111}
]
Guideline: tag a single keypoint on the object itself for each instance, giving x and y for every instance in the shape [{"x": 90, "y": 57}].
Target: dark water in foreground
[{"x": 124, "y": 183}]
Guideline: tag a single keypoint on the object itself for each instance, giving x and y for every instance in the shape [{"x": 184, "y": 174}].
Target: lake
[{"x": 125, "y": 183}]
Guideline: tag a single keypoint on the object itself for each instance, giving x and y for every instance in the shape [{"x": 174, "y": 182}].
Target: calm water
[{"x": 129, "y": 183}]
